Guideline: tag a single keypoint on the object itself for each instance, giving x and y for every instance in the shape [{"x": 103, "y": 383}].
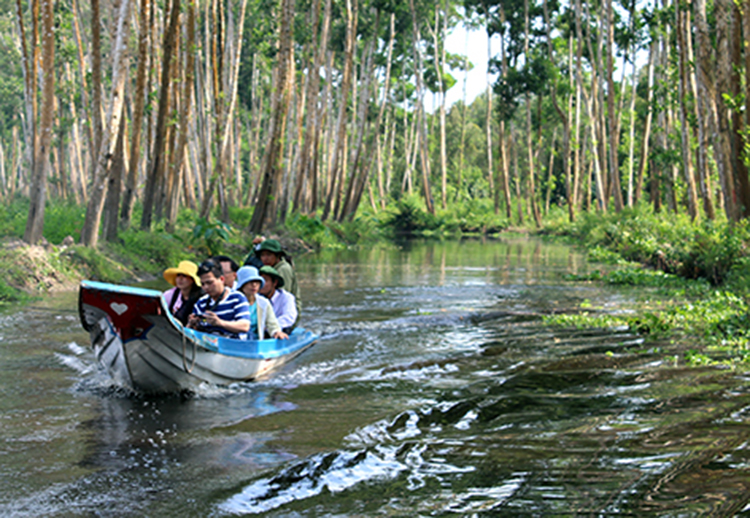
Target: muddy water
[{"x": 435, "y": 390}]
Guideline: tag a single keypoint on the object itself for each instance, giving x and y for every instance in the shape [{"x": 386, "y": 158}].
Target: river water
[{"x": 436, "y": 389}]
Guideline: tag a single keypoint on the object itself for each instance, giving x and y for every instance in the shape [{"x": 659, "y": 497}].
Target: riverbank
[{"x": 699, "y": 272}]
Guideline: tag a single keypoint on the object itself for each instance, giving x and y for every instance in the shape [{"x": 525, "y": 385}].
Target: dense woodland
[{"x": 318, "y": 107}]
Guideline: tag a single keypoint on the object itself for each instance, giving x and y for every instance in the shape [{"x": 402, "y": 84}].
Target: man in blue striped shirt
[{"x": 220, "y": 311}]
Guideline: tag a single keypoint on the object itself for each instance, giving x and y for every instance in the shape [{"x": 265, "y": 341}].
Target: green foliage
[
  {"x": 61, "y": 219},
  {"x": 241, "y": 216},
  {"x": 11, "y": 296},
  {"x": 473, "y": 216},
  {"x": 96, "y": 265},
  {"x": 311, "y": 230},
  {"x": 150, "y": 251},
  {"x": 13, "y": 217},
  {"x": 359, "y": 231},
  {"x": 710, "y": 250},
  {"x": 409, "y": 217},
  {"x": 586, "y": 320},
  {"x": 605, "y": 256},
  {"x": 211, "y": 236},
  {"x": 717, "y": 248},
  {"x": 642, "y": 277}
]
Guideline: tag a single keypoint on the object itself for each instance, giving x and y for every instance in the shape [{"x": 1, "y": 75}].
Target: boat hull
[{"x": 144, "y": 348}]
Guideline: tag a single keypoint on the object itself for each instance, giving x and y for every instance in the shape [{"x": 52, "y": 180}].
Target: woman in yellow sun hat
[{"x": 187, "y": 289}]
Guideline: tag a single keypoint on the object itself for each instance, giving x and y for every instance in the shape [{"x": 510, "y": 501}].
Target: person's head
[
  {"x": 249, "y": 281},
  {"x": 229, "y": 268},
  {"x": 270, "y": 252},
  {"x": 211, "y": 277},
  {"x": 274, "y": 281},
  {"x": 184, "y": 276}
]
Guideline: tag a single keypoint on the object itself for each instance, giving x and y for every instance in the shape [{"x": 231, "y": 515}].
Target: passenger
[
  {"x": 271, "y": 253},
  {"x": 221, "y": 310},
  {"x": 187, "y": 289},
  {"x": 252, "y": 259},
  {"x": 281, "y": 300},
  {"x": 229, "y": 268},
  {"x": 262, "y": 318}
]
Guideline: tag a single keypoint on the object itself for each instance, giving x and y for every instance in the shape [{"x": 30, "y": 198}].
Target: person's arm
[
  {"x": 233, "y": 326},
  {"x": 272, "y": 324}
]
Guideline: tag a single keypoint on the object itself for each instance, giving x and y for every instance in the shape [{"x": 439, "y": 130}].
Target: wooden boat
[{"x": 146, "y": 349}]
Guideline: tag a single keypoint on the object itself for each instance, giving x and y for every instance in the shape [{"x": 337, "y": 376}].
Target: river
[{"x": 436, "y": 389}]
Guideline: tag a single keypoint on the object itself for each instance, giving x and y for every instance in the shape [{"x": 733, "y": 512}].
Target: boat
[{"x": 147, "y": 350}]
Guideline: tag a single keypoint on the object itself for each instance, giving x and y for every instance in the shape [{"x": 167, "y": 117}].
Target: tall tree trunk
[
  {"x": 339, "y": 157},
  {"x": 90, "y": 232},
  {"x": 153, "y": 177},
  {"x": 687, "y": 154},
  {"x": 96, "y": 82},
  {"x": 265, "y": 214},
  {"x": 529, "y": 131},
  {"x": 462, "y": 144},
  {"x": 516, "y": 173},
  {"x": 38, "y": 191},
  {"x": 131, "y": 182},
  {"x": 738, "y": 128},
  {"x": 440, "y": 62},
  {"x": 373, "y": 151},
  {"x": 646, "y": 137},
  {"x": 312, "y": 98},
  {"x": 503, "y": 144},
  {"x": 724, "y": 152},
  {"x": 564, "y": 117},
  {"x": 114, "y": 185},
  {"x": 488, "y": 116},
  {"x": 226, "y": 68},
  {"x": 614, "y": 166},
  {"x": 186, "y": 102},
  {"x": 701, "y": 152},
  {"x": 28, "y": 65},
  {"x": 420, "y": 115},
  {"x": 360, "y": 172}
]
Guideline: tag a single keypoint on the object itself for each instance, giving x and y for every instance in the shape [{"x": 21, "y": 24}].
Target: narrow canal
[{"x": 436, "y": 389}]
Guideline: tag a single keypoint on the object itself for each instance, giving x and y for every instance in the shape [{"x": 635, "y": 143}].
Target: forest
[{"x": 136, "y": 110}]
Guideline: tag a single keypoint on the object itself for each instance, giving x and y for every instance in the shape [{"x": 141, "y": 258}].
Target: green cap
[
  {"x": 273, "y": 272},
  {"x": 270, "y": 245}
]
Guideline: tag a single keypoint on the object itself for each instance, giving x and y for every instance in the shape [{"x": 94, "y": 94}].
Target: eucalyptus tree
[
  {"x": 90, "y": 231},
  {"x": 39, "y": 135},
  {"x": 266, "y": 210}
]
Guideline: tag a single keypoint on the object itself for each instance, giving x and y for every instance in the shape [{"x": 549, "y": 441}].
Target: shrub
[
  {"x": 669, "y": 242},
  {"x": 211, "y": 236},
  {"x": 96, "y": 266},
  {"x": 241, "y": 216},
  {"x": 311, "y": 230},
  {"x": 407, "y": 216},
  {"x": 61, "y": 219},
  {"x": 151, "y": 251}
]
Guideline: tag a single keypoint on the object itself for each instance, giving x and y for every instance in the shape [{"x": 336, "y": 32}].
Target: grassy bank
[{"x": 700, "y": 270}]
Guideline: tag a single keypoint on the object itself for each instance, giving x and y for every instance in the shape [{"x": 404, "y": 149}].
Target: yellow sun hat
[{"x": 188, "y": 268}]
